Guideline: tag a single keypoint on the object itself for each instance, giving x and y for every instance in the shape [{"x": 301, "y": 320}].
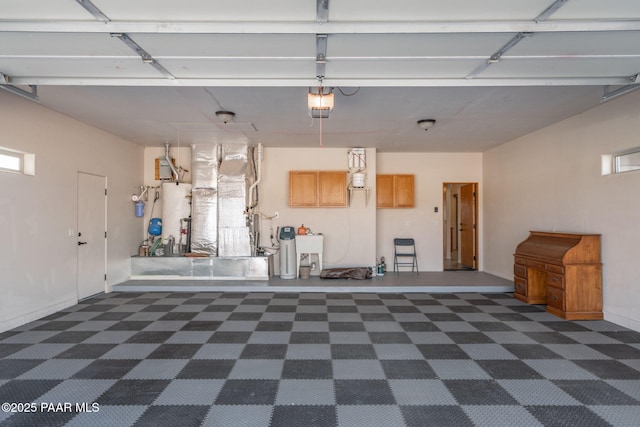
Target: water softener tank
[{"x": 288, "y": 263}]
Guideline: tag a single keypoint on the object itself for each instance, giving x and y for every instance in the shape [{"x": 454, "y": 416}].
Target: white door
[{"x": 92, "y": 240}]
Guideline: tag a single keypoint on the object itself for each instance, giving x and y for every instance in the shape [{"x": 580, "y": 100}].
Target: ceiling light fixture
[
  {"x": 225, "y": 116},
  {"x": 426, "y": 124},
  {"x": 320, "y": 102}
]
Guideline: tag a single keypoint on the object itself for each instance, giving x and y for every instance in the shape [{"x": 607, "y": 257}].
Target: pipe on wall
[
  {"x": 170, "y": 163},
  {"x": 253, "y": 201}
]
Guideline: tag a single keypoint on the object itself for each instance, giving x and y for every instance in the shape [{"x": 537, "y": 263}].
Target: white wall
[
  {"x": 359, "y": 234},
  {"x": 38, "y": 261},
  {"x": 431, "y": 171},
  {"x": 550, "y": 180},
  {"x": 350, "y": 233}
]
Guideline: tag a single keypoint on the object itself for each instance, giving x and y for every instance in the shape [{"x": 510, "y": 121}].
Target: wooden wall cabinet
[
  {"x": 395, "y": 191},
  {"x": 317, "y": 189},
  {"x": 561, "y": 270}
]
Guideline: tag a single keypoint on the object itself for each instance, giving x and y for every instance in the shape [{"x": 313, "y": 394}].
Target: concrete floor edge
[{"x": 405, "y": 282}]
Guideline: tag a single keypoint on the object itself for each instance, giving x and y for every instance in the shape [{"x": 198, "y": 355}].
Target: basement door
[
  {"x": 468, "y": 222},
  {"x": 92, "y": 235}
]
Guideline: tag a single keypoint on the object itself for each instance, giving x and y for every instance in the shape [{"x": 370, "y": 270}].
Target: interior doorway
[
  {"x": 92, "y": 236},
  {"x": 460, "y": 216}
]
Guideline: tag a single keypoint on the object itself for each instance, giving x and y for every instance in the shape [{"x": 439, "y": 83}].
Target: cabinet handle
[
  {"x": 555, "y": 298},
  {"x": 554, "y": 279}
]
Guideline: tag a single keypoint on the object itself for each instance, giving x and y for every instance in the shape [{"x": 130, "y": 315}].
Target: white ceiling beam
[
  {"x": 333, "y": 82},
  {"x": 312, "y": 27},
  {"x": 333, "y": 58}
]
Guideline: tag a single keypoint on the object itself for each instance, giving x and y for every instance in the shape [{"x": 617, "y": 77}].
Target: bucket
[
  {"x": 358, "y": 180},
  {"x": 305, "y": 271}
]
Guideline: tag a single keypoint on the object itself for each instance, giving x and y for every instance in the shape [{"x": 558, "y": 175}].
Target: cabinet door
[
  {"x": 302, "y": 188},
  {"x": 332, "y": 188},
  {"x": 403, "y": 191},
  {"x": 384, "y": 191}
]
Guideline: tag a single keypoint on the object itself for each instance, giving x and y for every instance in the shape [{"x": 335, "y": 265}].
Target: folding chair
[{"x": 404, "y": 248}]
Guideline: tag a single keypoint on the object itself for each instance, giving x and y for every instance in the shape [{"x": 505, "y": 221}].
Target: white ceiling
[{"x": 389, "y": 64}]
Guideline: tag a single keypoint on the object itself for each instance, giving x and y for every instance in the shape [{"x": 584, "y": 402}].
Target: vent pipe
[
  {"x": 253, "y": 201},
  {"x": 170, "y": 163}
]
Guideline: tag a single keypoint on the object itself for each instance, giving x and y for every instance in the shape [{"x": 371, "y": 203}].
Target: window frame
[
  {"x": 616, "y": 160},
  {"x": 610, "y": 163},
  {"x": 26, "y": 161}
]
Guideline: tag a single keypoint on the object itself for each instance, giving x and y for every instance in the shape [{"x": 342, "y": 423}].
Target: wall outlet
[{"x": 276, "y": 214}]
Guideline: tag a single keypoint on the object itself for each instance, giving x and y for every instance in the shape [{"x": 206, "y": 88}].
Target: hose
[
  {"x": 152, "y": 252},
  {"x": 155, "y": 199}
]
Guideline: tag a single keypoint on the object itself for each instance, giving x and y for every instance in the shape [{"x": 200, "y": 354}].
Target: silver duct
[
  {"x": 204, "y": 201},
  {"x": 221, "y": 175},
  {"x": 204, "y": 224},
  {"x": 234, "y": 174},
  {"x": 204, "y": 165}
]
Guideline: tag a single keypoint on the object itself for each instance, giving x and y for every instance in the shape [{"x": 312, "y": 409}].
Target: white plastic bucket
[
  {"x": 358, "y": 180},
  {"x": 305, "y": 271}
]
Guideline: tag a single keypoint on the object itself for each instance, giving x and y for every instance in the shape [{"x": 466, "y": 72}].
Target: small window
[
  {"x": 627, "y": 162},
  {"x": 17, "y": 162},
  {"x": 623, "y": 161}
]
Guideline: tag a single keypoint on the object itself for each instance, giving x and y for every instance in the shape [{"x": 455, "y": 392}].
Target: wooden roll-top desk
[{"x": 561, "y": 270}]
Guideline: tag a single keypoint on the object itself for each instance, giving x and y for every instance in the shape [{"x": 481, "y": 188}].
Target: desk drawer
[
  {"x": 554, "y": 268},
  {"x": 555, "y": 280},
  {"x": 520, "y": 286},
  {"x": 520, "y": 270},
  {"x": 519, "y": 260},
  {"x": 555, "y": 298},
  {"x": 536, "y": 265}
]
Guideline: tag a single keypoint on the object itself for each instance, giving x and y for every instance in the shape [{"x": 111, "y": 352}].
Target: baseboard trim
[
  {"x": 627, "y": 322},
  {"x": 35, "y": 315}
]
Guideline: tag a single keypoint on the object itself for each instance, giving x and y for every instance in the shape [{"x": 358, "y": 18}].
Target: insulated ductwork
[
  {"x": 204, "y": 199},
  {"x": 220, "y": 176},
  {"x": 233, "y": 232},
  {"x": 204, "y": 224}
]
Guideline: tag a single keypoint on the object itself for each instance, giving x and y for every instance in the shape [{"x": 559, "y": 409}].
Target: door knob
[{"x": 82, "y": 243}]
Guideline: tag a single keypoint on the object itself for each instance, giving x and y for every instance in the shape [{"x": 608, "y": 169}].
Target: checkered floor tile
[{"x": 317, "y": 359}]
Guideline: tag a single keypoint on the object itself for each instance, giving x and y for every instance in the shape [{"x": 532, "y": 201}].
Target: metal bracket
[
  {"x": 93, "y": 9},
  {"x": 5, "y": 83},
  {"x": 321, "y": 55},
  {"x": 610, "y": 94},
  {"x": 144, "y": 55},
  {"x": 550, "y": 10},
  {"x": 322, "y": 10},
  {"x": 498, "y": 54}
]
